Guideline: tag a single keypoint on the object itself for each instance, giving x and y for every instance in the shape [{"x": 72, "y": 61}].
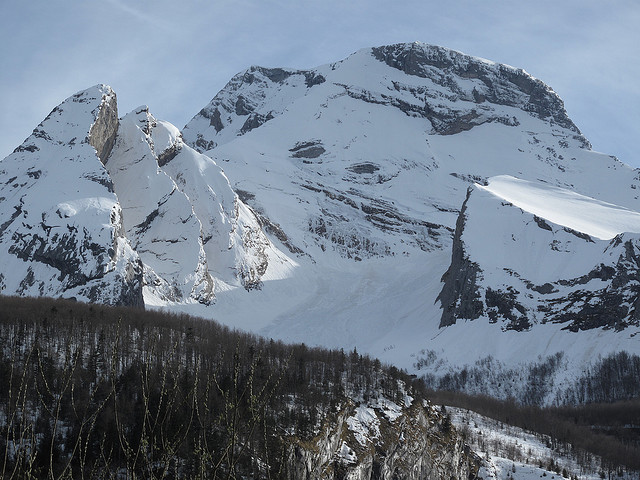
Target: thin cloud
[{"x": 146, "y": 16}]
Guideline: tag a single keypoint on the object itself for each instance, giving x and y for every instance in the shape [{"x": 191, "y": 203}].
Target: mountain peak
[
  {"x": 477, "y": 79},
  {"x": 60, "y": 222},
  {"x": 455, "y": 92}
]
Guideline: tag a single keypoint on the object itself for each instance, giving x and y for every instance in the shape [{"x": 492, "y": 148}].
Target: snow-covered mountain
[
  {"x": 121, "y": 211},
  {"x": 437, "y": 210},
  {"x": 60, "y": 222}
]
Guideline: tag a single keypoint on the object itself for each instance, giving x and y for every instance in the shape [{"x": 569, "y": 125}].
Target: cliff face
[
  {"x": 496, "y": 84},
  {"x": 518, "y": 270},
  {"x": 375, "y": 442}
]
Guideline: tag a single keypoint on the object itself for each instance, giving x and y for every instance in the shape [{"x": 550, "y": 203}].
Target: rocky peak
[
  {"x": 60, "y": 223},
  {"x": 164, "y": 139},
  {"x": 496, "y": 83},
  {"x": 89, "y": 116},
  {"x": 249, "y": 100},
  {"x": 158, "y": 217}
]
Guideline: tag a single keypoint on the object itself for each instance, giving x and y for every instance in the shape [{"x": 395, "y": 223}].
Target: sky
[{"x": 174, "y": 56}]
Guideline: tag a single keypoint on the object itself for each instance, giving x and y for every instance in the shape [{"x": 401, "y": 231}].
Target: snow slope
[
  {"x": 567, "y": 208},
  {"x": 193, "y": 234}
]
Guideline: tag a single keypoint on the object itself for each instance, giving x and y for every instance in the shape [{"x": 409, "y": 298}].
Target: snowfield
[{"x": 565, "y": 207}]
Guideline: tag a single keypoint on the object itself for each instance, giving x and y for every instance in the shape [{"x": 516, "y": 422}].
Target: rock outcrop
[
  {"x": 460, "y": 296},
  {"x": 498, "y": 84},
  {"x": 102, "y": 134},
  {"x": 417, "y": 444}
]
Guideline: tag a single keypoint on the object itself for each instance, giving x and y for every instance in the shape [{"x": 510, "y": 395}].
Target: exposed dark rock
[
  {"x": 616, "y": 306},
  {"x": 504, "y": 306},
  {"x": 243, "y": 106},
  {"x": 340, "y": 198},
  {"x": 310, "y": 149},
  {"x": 471, "y": 178},
  {"x": 364, "y": 168},
  {"x": 312, "y": 79},
  {"x": 26, "y": 148},
  {"x": 104, "y": 180},
  {"x": 103, "y": 132},
  {"x": 169, "y": 154},
  {"x": 333, "y": 195},
  {"x": 371, "y": 210},
  {"x": 28, "y": 281},
  {"x": 457, "y": 124},
  {"x": 478, "y": 97},
  {"x": 276, "y": 75},
  {"x": 40, "y": 133},
  {"x": 254, "y": 121},
  {"x": 303, "y": 145},
  {"x": 460, "y": 296},
  {"x": 542, "y": 223},
  {"x": 544, "y": 289},
  {"x": 67, "y": 253},
  {"x": 215, "y": 119},
  {"x": 14, "y": 215},
  {"x": 311, "y": 152},
  {"x": 245, "y": 196},
  {"x": 144, "y": 226},
  {"x": 580, "y": 235},
  {"x": 445, "y": 121},
  {"x": 202, "y": 145},
  {"x": 63, "y": 252},
  {"x": 601, "y": 272}
]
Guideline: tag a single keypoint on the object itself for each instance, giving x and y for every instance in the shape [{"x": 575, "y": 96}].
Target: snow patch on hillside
[{"x": 511, "y": 453}]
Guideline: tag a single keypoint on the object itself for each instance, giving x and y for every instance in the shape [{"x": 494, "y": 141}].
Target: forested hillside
[
  {"x": 97, "y": 392},
  {"x": 604, "y": 434}
]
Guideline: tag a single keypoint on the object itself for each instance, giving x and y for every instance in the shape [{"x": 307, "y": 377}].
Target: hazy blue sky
[{"x": 175, "y": 55}]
